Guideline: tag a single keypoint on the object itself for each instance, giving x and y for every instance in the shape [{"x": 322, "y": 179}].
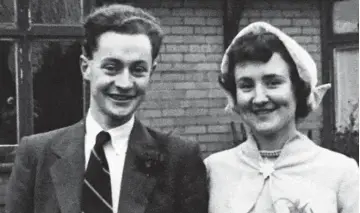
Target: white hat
[{"x": 305, "y": 64}]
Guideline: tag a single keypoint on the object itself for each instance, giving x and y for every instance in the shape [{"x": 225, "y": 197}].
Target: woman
[{"x": 271, "y": 82}]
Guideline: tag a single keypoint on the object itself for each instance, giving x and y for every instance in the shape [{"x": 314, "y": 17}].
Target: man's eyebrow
[
  {"x": 139, "y": 62},
  {"x": 115, "y": 60}
]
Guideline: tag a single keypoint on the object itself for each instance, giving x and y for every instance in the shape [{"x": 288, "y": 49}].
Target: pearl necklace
[{"x": 270, "y": 154}]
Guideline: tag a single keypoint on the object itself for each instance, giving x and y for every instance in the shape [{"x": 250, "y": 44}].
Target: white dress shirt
[{"x": 115, "y": 152}]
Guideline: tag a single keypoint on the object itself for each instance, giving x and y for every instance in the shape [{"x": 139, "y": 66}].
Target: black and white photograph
[{"x": 179, "y": 106}]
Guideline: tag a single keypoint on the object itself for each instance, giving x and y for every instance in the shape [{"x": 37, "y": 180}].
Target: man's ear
[
  {"x": 84, "y": 66},
  {"x": 153, "y": 67}
]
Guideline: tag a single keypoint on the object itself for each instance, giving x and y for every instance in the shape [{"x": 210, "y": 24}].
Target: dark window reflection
[
  {"x": 56, "y": 11},
  {"x": 7, "y": 93},
  {"x": 57, "y": 84},
  {"x": 7, "y": 8},
  {"x": 105, "y": 2}
]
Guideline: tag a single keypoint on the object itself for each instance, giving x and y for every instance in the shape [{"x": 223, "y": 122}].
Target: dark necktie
[{"x": 96, "y": 192}]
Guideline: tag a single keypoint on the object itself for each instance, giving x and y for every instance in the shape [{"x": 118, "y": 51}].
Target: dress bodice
[{"x": 302, "y": 176}]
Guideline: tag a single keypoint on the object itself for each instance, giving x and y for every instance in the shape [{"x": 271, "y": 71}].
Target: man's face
[{"x": 119, "y": 74}]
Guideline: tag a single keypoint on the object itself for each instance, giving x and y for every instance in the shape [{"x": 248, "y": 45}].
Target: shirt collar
[{"x": 119, "y": 135}]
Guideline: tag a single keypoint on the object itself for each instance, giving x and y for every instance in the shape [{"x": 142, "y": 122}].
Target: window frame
[
  {"x": 329, "y": 42},
  {"x": 24, "y": 33}
]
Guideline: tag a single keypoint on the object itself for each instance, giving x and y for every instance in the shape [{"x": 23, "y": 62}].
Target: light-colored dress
[{"x": 305, "y": 175}]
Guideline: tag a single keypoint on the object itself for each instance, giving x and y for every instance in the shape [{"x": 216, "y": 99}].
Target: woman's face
[{"x": 265, "y": 98}]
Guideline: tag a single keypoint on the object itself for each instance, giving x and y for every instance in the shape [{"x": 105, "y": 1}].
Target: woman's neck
[{"x": 275, "y": 141}]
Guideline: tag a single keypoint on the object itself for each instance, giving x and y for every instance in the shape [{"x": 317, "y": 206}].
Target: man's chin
[
  {"x": 117, "y": 114},
  {"x": 119, "y": 118}
]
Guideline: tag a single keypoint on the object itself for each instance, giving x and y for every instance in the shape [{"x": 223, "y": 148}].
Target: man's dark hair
[
  {"x": 260, "y": 48},
  {"x": 121, "y": 19}
]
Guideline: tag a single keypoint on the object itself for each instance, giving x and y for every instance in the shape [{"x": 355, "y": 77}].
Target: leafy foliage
[{"x": 346, "y": 138}]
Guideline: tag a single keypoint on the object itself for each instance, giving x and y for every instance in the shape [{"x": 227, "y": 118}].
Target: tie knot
[{"x": 102, "y": 138}]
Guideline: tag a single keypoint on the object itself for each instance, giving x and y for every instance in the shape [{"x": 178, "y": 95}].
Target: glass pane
[
  {"x": 346, "y": 16},
  {"x": 7, "y": 156},
  {"x": 57, "y": 84},
  {"x": 346, "y": 86},
  {"x": 7, "y": 93},
  {"x": 56, "y": 11},
  {"x": 7, "y": 10}
]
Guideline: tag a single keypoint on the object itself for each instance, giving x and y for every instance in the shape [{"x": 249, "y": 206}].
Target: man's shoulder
[{"x": 40, "y": 140}]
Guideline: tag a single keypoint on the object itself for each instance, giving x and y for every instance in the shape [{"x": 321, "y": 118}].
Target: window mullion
[{"x": 23, "y": 73}]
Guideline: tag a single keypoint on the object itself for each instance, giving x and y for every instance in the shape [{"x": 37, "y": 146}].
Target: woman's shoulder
[
  {"x": 337, "y": 160},
  {"x": 326, "y": 158},
  {"x": 228, "y": 156},
  {"x": 220, "y": 156}
]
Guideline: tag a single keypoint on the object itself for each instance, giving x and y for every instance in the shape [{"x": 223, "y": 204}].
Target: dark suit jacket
[{"x": 161, "y": 174}]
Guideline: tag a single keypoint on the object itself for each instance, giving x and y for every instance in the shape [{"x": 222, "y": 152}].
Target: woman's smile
[{"x": 263, "y": 111}]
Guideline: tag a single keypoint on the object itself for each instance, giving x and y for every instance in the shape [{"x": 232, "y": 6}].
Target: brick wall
[{"x": 185, "y": 97}]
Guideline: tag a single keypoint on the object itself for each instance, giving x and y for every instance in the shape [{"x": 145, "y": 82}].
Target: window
[
  {"x": 57, "y": 83},
  {"x": 346, "y": 16},
  {"x": 346, "y": 72},
  {"x": 40, "y": 78},
  {"x": 340, "y": 56},
  {"x": 7, "y": 12},
  {"x": 66, "y": 12},
  {"x": 8, "y": 92}
]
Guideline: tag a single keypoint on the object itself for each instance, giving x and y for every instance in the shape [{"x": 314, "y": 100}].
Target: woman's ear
[
  {"x": 84, "y": 66},
  {"x": 318, "y": 94}
]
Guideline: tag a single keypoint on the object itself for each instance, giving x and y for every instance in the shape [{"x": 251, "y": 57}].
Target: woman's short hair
[
  {"x": 260, "y": 48},
  {"x": 121, "y": 19}
]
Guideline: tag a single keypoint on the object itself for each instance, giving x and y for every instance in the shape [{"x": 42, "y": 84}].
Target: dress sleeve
[{"x": 348, "y": 193}]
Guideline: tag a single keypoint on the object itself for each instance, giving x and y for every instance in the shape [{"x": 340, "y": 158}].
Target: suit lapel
[
  {"x": 68, "y": 170},
  {"x": 142, "y": 162}
]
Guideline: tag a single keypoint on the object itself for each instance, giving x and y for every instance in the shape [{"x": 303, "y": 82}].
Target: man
[{"x": 110, "y": 162}]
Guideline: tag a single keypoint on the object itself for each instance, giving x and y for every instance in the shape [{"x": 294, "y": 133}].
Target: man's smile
[{"x": 122, "y": 97}]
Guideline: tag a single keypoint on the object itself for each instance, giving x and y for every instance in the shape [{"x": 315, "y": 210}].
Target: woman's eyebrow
[
  {"x": 243, "y": 79},
  {"x": 272, "y": 76}
]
